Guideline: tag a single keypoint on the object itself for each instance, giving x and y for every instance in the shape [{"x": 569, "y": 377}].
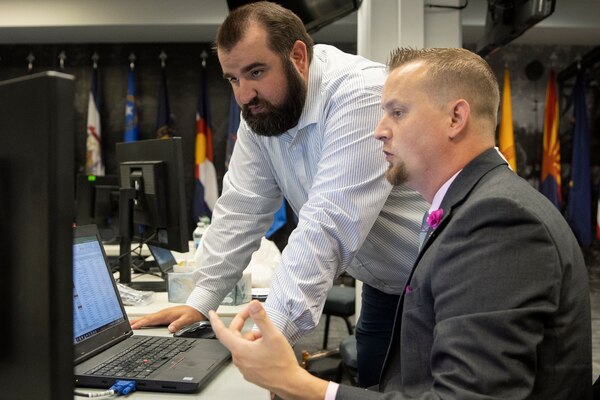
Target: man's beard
[
  {"x": 276, "y": 120},
  {"x": 396, "y": 174}
]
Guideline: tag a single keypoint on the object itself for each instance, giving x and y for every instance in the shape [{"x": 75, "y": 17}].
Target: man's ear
[
  {"x": 461, "y": 111},
  {"x": 299, "y": 56}
]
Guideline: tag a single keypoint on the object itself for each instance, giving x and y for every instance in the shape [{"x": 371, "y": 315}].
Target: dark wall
[{"x": 183, "y": 67}]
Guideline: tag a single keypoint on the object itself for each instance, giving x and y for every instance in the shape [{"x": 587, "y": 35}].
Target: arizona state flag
[
  {"x": 93, "y": 157},
  {"x": 579, "y": 209},
  {"x": 506, "y": 139},
  {"x": 550, "y": 180},
  {"x": 131, "y": 121},
  {"x": 205, "y": 182}
]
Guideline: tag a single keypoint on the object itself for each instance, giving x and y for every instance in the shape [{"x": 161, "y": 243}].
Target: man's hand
[
  {"x": 176, "y": 317},
  {"x": 265, "y": 357}
]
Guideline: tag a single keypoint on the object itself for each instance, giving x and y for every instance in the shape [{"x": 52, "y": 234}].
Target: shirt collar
[
  {"x": 312, "y": 105},
  {"x": 439, "y": 195}
]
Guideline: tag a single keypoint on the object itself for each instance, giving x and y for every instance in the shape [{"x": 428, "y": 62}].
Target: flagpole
[
  {"x": 163, "y": 115},
  {"x": 131, "y": 61},
  {"x": 95, "y": 58},
  {"x": 550, "y": 182},
  {"x": 131, "y": 122},
  {"x": 94, "y": 162},
  {"x": 163, "y": 59},
  {"x": 61, "y": 59},
  {"x": 205, "y": 176},
  {"x": 30, "y": 59},
  {"x": 204, "y": 56}
]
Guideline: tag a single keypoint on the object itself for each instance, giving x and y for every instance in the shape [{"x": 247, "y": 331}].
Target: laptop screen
[
  {"x": 96, "y": 306},
  {"x": 163, "y": 257}
]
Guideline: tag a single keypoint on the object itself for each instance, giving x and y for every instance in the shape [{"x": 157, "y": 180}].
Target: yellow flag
[{"x": 506, "y": 140}]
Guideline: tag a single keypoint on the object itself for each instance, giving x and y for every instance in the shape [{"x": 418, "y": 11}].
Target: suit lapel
[{"x": 460, "y": 189}]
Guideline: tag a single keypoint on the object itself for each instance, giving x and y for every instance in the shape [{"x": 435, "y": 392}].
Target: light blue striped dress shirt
[{"x": 331, "y": 170}]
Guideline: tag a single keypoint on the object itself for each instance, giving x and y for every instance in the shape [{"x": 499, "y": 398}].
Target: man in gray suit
[{"x": 497, "y": 304}]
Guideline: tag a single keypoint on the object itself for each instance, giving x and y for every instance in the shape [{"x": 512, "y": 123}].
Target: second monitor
[{"x": 152, "y": 197}]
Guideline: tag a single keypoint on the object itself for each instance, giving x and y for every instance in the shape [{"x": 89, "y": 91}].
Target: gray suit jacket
[{"x": 497, "y": 305}]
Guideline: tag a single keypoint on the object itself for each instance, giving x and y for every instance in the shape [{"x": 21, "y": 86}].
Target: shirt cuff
[{"x": 331, "y": 392}]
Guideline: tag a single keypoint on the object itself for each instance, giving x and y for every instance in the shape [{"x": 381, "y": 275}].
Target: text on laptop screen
[{"x": 95, "y": 306}]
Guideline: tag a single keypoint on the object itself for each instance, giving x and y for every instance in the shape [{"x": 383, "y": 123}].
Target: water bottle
[{"x": 203, "y": 223}]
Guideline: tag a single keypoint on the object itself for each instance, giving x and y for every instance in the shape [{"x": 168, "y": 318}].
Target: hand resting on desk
[{"x": 175, "y": 317}]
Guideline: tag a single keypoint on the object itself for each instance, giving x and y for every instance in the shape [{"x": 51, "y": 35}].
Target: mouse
[{"x": 198, "y": 330}]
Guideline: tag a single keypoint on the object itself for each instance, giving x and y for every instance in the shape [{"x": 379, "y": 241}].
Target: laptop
[
  {"x": 165, "y": 261},
  {"x": 102, "y": 333}
]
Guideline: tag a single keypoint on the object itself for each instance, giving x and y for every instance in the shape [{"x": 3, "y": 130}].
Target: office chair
[
  {"x": 348, "y": 364},
  {"x": 340, "y": 303}
]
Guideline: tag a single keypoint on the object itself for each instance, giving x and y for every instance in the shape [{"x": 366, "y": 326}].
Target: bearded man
[{"x": 308, "y": 112}]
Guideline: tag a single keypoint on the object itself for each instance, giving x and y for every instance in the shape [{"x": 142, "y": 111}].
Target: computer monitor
[
  {"x": 152, "y": 197},
  {"x": 97, "y": 202},
  {"x": 314, "y": 13},
  {"x": 36, "y": 237},
  {"x": 506, "y": 20}
]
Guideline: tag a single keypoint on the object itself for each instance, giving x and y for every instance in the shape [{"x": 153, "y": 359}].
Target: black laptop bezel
[{"x": 107, "y": 338}]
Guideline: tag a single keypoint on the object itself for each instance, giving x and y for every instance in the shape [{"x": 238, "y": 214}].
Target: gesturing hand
[{"x": 264, "y": 357}]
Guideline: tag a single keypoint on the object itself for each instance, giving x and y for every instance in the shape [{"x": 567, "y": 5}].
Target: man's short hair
[
  {"x": 455, "y": 73},
  {"x": 282, "y": 25}
]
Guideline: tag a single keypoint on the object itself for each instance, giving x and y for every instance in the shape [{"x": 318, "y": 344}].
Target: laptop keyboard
[{"x": 143, "y": 358}]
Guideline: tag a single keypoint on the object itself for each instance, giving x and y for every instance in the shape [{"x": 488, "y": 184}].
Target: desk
[
  {"x": 227, "y": 384},
  {"x": 114, "y": 250},
  {"x": 161, "y": 301}
]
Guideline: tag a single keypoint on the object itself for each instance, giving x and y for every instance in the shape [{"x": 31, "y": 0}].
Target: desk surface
[
  {"x": 160, "y": 301},
  {"x": 227, "y": 384}
]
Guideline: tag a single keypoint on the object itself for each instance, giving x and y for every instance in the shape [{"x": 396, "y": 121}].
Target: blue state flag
[
  {"x": 579, "y": 212},
  {"x": 131, "y": 121}
]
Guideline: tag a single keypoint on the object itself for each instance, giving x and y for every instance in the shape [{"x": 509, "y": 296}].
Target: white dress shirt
[{"x": 331, "y": 170}]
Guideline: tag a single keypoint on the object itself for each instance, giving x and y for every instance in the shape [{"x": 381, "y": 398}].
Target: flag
[
  {"x": 234, "y": 124},
  {"x": 163, "y": 119},
  {"x": 131, "y": 121},
  {"x": 579, "y": 211},
  {"x": 506, "y": 140},
  {"x": 279, "y": 220},
  {"x": 93, "y": 157},
  {"x": 550, "y": 181},
  {"x": 205, "y": 175}
]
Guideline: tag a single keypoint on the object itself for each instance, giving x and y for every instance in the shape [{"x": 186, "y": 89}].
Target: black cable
[{"x": 137, "y": 250}]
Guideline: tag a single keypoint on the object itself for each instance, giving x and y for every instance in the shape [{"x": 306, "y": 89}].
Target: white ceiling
[{"x": 574, "y": 22}]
